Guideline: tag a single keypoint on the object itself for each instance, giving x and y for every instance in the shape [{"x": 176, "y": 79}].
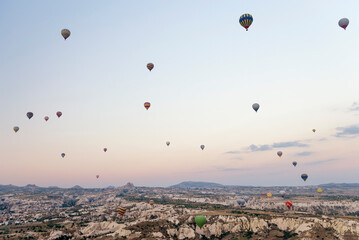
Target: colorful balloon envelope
[
  {"x": 319, "y": 190},
  {"x": 255, "y": 107},
  {"x": 63, "y": 155},
  {"x": 263, "y": 195},
  {"x": 269, "y": 195},
  {"x": 294, "y": 163},
  {"x": 202, "y": 147},
  {"x": 200, "y": 220},
  {"x": 29, "y": 115},
  {"x": 59, "y": 114},
  {"x": 105, "y": 149},
  {"x": 246, "y": 20},
  {"x": 121, "y": 211},
  {"x": 343, "y": 23},
  {"x": 304, "y": 177},
  {"x": 280, "y": 153},
  {"x": 16, "y": 128},
  {"x": 289, "y": 204},
  {"x": 150, "y": 66},
  {"x": 151, "y": 202},
  {"x": 147, "y": 105},
  {"x": 65, "y": 33},
  {"x": 46, "y": 118}
]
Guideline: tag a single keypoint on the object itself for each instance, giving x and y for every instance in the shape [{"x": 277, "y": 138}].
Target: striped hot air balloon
[
  {"x": 246, "y": 20},
  {"x": 289, "y": 204},
  {"x": 121, "y": 211},
  {"x": 151, "y": 202},
  {"x": 150, "y": 66},
  {"x": 147, "y": 105}
]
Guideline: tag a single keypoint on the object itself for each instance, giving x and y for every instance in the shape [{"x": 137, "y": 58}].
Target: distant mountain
[
  {"x": 111, "y": 187},
  {"x": 31, "y": 186},
  {"x": 190, "y": 184},
  {"x": 340, "y": 185},
  {"x": 76, "y": 187}
]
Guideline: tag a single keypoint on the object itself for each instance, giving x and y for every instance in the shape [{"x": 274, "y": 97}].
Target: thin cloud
[
  {"x": 289, "y": 144},
  {"x": 321, "y": 162},
  {"x": 355, "y": 106},
  {"x": 259, "y": 148},
  {"x": 350, "y": 131},
  {"x": 303, "y": 154},
  {"x": 233, "y": 152},
  {"x": 266, "y": 147}
]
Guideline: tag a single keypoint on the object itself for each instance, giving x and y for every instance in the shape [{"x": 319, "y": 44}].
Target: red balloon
[
  {"x": 46, "y": 118},
  {"x": 289, "y": 204},
  {"x": 59, "y": 114}
]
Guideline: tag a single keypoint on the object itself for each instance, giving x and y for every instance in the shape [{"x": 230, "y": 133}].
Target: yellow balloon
[
  {"x": 319, "y": 190},
  {"x": 269, "y": 195}
]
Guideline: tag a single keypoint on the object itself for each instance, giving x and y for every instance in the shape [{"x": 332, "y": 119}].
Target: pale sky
[{"x": 295, "y": 61}]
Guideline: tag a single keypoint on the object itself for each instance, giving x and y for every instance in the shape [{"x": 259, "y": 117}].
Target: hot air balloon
[
  {"x": 304, "y": 176},
  {"x": 269, "y": 195},
  {"x": 90, "y": 199},
  {"x": 168, "y": 143},
  {"x": 105, "y": 149},
  {"x": 319, "y": 190},
  {"x": 231, "y": 204},
  {"x": 289, "y": 204},
  {"x": 200, "y": 220},
  {"x": 29, "y": 115},
  {"x": 65, "y": 33},
  {"x": 246, "y": 20},
  {"x": 282, "y": 193},
  {"x": 63, "y": 155},
  {"x": 279, "y": 153},
  {"x": 150, "y": 66},
  {"x": 97, "y": 176},
  {"x": 58, "y": 114},
  {"x": 16, "y": 128},
  {"x": 255, "y": 106},
  {"x": 343, "y": 23},
  {"x": 241, "y": 202},
  {"x": 314, "y": 130},
  {"x": 263, "y": 195},
  {"x": 147, "y": 105},
  {"x": 202, "y": 147},
  {"x": 151, "y": 202},
  {"x": 294, "y": 163},
  {"x": 46, "y": 118},
  {"x": 246, "y": 198},
  {"x": 121, "y": 211}
]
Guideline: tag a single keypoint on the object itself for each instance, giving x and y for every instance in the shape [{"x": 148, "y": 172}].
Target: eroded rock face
[{"x": 229, "y": 225}]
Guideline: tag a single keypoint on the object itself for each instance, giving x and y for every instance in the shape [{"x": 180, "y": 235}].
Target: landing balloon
[
  {"x": 147, "y": 105},
  {"x": 29, "y": 115},
  {"x": 255, "y": 106},
  {"x": 16, "y": 128},
  {"x": 343, "y": 23},
  {"x": 246, "y": 20},
  {"x": 200, "y": 220},
  {"x": 65, "y": 33},
  {"x": 304, "y": 177},
  {"x": 150, "y": 66}
]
